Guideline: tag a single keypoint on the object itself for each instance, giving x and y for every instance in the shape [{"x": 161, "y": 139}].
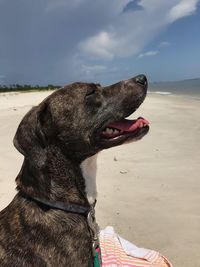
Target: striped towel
[{"x": 118, "y": 252}]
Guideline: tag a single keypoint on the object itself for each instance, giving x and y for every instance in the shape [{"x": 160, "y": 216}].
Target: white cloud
[
  {"x": 182, "y": 9},
  {"x": 99, "y": 31},
  {"x": 152, "y": 53},
  {"x": 90, "y": 70},
  {"x": 164, "y": 44},
  {"x": 128, "y": 33},
  {"x": 87, "y": 72},
  {"x": 148, "y": 54},
  {"x": 99, "y": 46}
]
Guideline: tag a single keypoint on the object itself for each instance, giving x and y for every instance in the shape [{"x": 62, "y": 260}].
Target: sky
[{"x": 104, "y": 41}]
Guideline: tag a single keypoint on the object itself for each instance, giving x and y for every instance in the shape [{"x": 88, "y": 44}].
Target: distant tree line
[{"x": 26, "y": 87}]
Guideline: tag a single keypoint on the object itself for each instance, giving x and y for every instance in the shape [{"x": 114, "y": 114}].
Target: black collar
[{"x": 68, "y": 207}]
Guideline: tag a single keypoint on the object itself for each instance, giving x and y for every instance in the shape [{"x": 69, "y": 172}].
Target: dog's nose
[{"x": 141, "y": 79}]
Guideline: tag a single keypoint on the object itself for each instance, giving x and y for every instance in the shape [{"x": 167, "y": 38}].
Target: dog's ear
[{"x": 30, "y": 139}]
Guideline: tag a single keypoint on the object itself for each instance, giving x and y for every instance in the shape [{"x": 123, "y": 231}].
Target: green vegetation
[{"x": 26, "y": 88}]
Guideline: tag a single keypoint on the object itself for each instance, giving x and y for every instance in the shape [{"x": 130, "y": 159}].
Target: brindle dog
[{"x": 56, "y": 138}]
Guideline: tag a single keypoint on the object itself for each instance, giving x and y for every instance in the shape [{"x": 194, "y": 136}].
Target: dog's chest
[{"x": 89, "y": 168}]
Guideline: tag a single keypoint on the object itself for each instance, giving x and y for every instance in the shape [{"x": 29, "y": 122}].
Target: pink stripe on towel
[{"x": 118, "y": 252}]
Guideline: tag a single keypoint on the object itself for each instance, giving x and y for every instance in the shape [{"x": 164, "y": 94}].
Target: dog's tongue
[{"x": 128, "y": 125}]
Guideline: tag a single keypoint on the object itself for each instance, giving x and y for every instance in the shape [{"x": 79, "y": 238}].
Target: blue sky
[{"x": 62, "y": 41}]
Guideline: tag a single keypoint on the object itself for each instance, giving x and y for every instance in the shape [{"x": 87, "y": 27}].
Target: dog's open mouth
[{"x": 125, "y": 127}]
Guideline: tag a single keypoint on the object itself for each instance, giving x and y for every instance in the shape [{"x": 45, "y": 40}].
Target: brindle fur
[{"x": 55, "y": 137}]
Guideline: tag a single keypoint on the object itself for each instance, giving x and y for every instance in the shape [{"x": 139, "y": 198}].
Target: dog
[{"x": 47, "y": 222}]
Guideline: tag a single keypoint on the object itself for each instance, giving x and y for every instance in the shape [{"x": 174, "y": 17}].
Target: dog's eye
[{"x": 90, "y": 92}]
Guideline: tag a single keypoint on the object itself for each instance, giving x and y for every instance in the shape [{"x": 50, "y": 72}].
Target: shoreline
[{"x": 194, "y": 96}]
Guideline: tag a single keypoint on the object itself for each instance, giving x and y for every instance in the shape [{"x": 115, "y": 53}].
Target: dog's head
[{"x": 82, "y": 119}]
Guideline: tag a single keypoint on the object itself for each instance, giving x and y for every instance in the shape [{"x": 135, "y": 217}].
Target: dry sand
[{"x": 149, "y": 190}]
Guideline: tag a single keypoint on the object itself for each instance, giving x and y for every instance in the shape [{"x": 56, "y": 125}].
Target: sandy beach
[{"x": 149, "y": 190}]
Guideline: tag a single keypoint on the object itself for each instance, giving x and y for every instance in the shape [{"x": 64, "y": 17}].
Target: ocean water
[{"x": 187, "y": 87}]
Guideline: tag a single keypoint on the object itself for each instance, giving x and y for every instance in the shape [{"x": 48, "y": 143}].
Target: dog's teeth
[
  {"x": 144, "y": 124},
  {"x": 115, "y": 131},
  {"x": 109, "y": 131},
  {"x": 141, "y": 125}
]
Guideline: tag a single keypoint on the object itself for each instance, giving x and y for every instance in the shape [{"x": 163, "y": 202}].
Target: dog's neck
[
  {"x": 59, "y": 179},
  {"x": 89, "y": 169}
]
